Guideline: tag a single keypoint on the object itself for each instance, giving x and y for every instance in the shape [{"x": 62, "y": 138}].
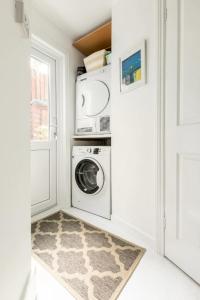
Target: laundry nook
[{"x": 100, "y": 150}]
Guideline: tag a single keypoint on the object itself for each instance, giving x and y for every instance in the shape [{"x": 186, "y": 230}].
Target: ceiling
[{"x": 75, "y": 17}]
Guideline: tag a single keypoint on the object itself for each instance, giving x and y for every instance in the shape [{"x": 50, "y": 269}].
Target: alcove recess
[
  {"x": 95, "y": 40},
  {"x": 89, "y": 140}
]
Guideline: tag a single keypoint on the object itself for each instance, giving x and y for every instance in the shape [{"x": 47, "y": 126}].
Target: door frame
[
  {"x": 61, "y": 159},
  {"x": 50, "y": 144},
  {"x": 161, "y": 12}
]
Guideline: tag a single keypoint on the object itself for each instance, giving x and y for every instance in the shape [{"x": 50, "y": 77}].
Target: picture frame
[{"x": 133, "y": 68}]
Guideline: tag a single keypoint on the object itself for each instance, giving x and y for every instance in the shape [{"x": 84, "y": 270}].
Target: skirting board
[
  {"x": 116, "y": 226},
  {"x": 141, "y": 238},
  {"x": 30, "y": 289},
  {"x": 45, "y": 213}
]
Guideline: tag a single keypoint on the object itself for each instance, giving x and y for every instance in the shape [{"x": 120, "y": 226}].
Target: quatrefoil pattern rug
[{"x": 91, "y": 263}]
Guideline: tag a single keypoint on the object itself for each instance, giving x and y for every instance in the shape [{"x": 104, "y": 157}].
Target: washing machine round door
[
  {"x": 89, "y": 176},
  {"x": 95, "y": 97}
]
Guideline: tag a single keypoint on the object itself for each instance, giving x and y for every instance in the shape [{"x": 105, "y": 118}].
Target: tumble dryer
[
  {"x": 91, "y": 188},
  {"x": 93, "y": 102}
]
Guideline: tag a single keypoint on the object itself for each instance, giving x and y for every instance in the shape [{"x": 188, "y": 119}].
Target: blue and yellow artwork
[{"x": 131, "y": 68}]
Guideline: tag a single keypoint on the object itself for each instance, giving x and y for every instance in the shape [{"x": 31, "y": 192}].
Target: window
[{"x": 39, "y": 100}]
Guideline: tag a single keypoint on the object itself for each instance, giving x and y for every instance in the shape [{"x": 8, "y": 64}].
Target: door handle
[
  {"x": 83, "y": 103},
  {"x": 54, "y": 126}
]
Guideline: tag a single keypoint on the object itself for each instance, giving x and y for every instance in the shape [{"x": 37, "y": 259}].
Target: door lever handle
[
  {"x": 83, "y": 103},
  {"x": 55, "y": 135}
]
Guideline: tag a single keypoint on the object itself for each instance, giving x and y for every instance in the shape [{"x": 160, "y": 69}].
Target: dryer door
[
  {"x": 89, "y": 176},
  {"x": 95, "y": 96}
]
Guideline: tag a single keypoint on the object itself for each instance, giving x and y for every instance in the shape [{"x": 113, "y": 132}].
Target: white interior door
[
  {"x": 182, "y": 238},
  {"x": 43, "y": 132}
]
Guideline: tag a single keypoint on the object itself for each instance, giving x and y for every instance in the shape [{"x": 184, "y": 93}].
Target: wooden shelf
[
  {"x": 96, "y": 40},
  {"x": 99, "y": 136}
]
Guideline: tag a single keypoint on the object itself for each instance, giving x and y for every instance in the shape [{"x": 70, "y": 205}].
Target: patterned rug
[{"x": 92, "y": 264}]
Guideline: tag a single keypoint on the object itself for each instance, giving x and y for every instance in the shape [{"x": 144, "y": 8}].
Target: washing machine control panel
[
  {"x": 95, "y": 150},
  {"x": 89, "y": 150}
]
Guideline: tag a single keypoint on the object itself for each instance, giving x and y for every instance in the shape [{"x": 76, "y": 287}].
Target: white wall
[
  {"x": 133, "y": 114},
  {"x": 49, "y": 33},
  {"x": 134, "y": 121},
  {"x": 15, "y": 250}
]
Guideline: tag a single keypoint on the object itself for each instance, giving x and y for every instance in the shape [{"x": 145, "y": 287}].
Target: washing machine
[
  {"x": 91, "y": 183},
  {"x": 93, "y": 102}
]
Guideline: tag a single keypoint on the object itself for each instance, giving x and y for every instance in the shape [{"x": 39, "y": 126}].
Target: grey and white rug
[{"x": 91, "y": 263}]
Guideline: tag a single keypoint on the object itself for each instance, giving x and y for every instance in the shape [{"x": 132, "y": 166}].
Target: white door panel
[
  {"x": 40, "y": 181},
  {"x": 189, "y": 43},
  {"x": 43, "y": 132},
  {"x": 182, "y": 133}
]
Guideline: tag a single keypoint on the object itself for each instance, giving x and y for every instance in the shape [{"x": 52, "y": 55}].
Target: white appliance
[
  {"x": 93, "y": 102},
  {"x": 91, "y": 184}
]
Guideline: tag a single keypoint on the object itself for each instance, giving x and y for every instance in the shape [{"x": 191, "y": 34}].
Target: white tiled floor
[{"x": 154, "y": 279}]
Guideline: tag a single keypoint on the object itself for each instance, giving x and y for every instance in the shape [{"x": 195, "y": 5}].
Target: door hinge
[{"x": 165, "y": 15}]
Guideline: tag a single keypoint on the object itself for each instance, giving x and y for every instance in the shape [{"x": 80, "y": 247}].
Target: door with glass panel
[{"x": 43, "y": 131}]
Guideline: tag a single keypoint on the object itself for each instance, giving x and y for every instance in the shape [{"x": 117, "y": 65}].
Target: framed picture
[{"x": 133, "y": 68}]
